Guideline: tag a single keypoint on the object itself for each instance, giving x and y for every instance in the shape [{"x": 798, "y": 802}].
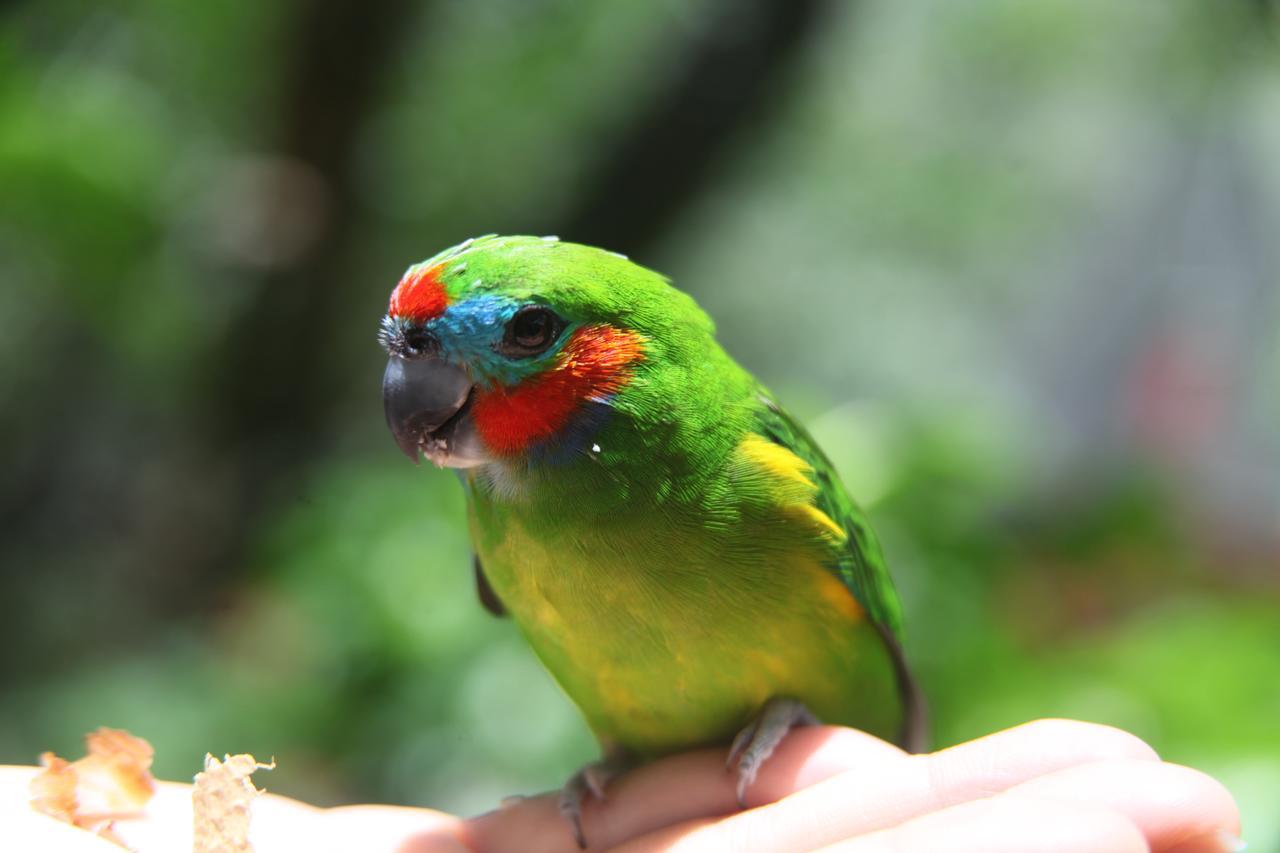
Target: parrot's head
[{"x": 510, "y": 348}]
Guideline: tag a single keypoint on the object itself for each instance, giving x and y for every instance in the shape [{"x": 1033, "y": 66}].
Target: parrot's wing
[
  {"x": 488, "y": 597},
  {"x": 860, "y": 565}
]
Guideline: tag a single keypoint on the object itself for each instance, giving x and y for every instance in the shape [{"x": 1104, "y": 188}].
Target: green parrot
[{"x": 675, "y": 548}]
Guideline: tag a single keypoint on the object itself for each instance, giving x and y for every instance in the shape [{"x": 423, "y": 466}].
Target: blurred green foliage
[{"x": 1010, "y": 260}]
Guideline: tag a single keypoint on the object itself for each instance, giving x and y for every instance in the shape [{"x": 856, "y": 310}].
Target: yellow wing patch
[
  {"x": 787, "y": 481},
  {"x": 790, "y": 483},
  {"x": 778, "y": 461},
  {"x": 821, "y": 520}
]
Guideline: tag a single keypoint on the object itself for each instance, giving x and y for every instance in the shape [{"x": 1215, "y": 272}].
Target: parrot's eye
[
  {"x": 531, "y": 331},
  {"x": 420, "y": 342}
]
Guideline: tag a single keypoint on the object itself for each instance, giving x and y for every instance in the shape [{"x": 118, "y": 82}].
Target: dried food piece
[
  {"x": 113, "y": 781},
  {"x": 221, "y": 802}
]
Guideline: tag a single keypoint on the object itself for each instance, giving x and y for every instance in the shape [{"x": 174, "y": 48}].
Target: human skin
[{"x": 1050, "y": 785}]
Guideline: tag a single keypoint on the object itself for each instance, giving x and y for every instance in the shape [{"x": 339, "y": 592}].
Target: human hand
[{"x": 1052, "y": 785}]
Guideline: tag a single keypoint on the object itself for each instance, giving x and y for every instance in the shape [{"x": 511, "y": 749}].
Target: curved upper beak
[{"x": 419, "y": 396}]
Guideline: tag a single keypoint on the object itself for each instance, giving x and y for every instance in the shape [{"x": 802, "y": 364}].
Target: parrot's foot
[
  {"x": 590, "y": 781},
  {"x": 754, "y": 744}
]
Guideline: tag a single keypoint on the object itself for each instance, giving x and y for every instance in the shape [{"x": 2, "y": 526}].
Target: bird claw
[
  {"x": 596, "y": 777},
  {"x": 589, "y": 782},
  {"x": 757, "y": 741}
]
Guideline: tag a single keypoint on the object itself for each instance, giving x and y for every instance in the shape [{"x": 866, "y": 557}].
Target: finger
[
  {"x": 1006, "y": 824},
  {"x": 1173, "y": 806},
  {"x": 278, "y": 824},
  {"x": 1167, "y": 806},
  {"x": 24, "y": 828},
  {"x": 866, "y": 799},
  {"x": 36, "y": 831},
  {"x": 684, "y": 787},
  {"x": 999, "y": 761},
  {"x": 402, "y": 829},
  {"x": 167, "y": 821}
]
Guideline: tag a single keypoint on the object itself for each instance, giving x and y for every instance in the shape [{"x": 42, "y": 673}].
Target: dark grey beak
[{"x": 420, "y": 395}]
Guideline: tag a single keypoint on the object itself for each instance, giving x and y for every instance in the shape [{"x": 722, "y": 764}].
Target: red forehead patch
[{"x": 419, "y": 296}]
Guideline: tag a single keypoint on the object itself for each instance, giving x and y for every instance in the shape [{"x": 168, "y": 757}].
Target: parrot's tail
[{"x": 914, "y": 735}]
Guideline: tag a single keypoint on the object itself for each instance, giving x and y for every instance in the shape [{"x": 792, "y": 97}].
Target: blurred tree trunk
[
  {"x": 734, "y": 77},
  {"x": 270, "y": 405}
]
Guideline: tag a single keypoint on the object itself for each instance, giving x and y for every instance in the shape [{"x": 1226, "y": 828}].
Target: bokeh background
[{"x": 1015, "y": 262}]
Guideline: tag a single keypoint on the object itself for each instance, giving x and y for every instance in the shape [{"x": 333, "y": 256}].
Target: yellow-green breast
[{"x": 670, "y": 629}]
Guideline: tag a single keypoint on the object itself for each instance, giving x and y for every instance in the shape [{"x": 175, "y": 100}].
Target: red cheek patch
[
  {"x": 594, "y": 363},
  {"x": 419, "y": 296}
]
